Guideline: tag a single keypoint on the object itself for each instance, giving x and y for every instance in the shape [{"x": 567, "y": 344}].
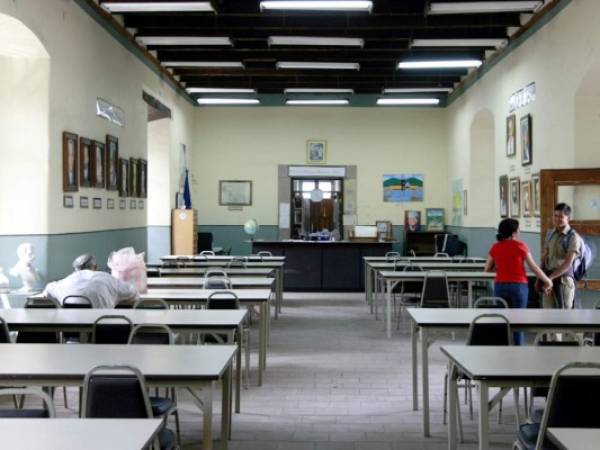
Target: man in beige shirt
[{"x": 560, "y": 251}]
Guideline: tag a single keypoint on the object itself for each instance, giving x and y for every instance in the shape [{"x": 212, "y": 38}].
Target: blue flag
[{"x": 187, "y": 195}]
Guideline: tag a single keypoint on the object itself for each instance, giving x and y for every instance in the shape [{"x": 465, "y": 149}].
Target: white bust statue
[{"x": 24, "y": 268}]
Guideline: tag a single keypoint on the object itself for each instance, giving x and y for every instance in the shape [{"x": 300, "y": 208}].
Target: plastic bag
[{"x": 129, "y": 267}]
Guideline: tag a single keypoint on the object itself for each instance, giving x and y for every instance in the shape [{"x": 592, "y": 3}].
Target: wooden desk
[
  {"x": 575, "y": 438},
  {"x": 189, "y": 366}
]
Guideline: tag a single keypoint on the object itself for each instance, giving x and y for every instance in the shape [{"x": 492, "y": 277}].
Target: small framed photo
[
  {"x": 412, "y": 220},
  {"x": 85, "y": 162},
  {"x": 111, "y": 163},
  {"x": 434, "y": 219},
  {"x": 97, "y": 202},
  {"x": 140, "y": 204},
  {"x": 70, "y": 162},
  {"x": 535, "y": 194},
  {"x": 526, "y": 204},
  {"x": 503, "y": 185},
  {"x": 235, "y": 192},
  {"x": 526, "y": 143},
  {"x": 98, "y": 180},
  {"x": 142, "y": 178},
  {"x": 132, "y": 204},
  {"x": 133, "y": 177},
  {"x": 84, "y": 202},
  {"x": 515, "y": 197},
  {"x": 122, "y": 204},
  {"x": 511, "y": 135},
  {"x": 384, "y": 229},
  {"x": 68, "y": 201},
  {"x": 110, "y": 203},
  {"x": 123, "y": 177},
  {"x": 316, "y": 152}
]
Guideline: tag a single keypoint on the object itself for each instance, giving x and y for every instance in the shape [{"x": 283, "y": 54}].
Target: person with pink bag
[{"x": 129, "y": 267}]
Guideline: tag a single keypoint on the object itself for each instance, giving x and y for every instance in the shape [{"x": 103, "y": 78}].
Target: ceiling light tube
[
  {"x": 318, "y": 5},
  {"x": 317, "y": 91},
  {"x": 415, "y": 90},
  {"x": 484, "y": 7},
  {"x": 315, "y": 102},
  {"x": 407, "y": 101},
  {"x": 208, "y": 90},
  {"x": 207, "y": 64},
  {"x": 184, "y": 40},
  {"x": 322, "y": 41},
  {"x": 317, "y": 65},
  {"x": 228, "y": 101},
  {"x": 141, "y": 7},
  {"x": 459, "y": 42},
  {"x": 448, "y": 64}
]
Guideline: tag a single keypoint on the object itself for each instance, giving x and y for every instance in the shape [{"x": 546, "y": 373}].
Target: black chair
[
  {"x": 410, "y": 291},
  {"x": 47, "y": 411},
  {"x": 75, "y": 302},
  {"x": 217, "y": 283},
  {"x": 435, "y": 293},
  {"x": 237, "y": 263},
  {"x": 490, "y": 302},
  {"x": 392, "y": 256},
  {"x": 205, "y": 241},
  {"x": 151, "y": 303},
  {"x": 572, "y": 403},
  {"x": 39, "y": 337},
  {"x": 111, "y": 333},
  {"x": 207, "y": 253},
  {"x": 212, "y": 272},
  {"x": 264, "y": 254},
  {"x": 117, "y": 396},
  {"x": 4, "y": 333}
]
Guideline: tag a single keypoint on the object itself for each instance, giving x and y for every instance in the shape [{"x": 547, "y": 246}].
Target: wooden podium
[{"x": 184, "y": 231}]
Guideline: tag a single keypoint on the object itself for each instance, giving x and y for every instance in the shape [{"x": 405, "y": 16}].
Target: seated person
[{"x": 103, "y": 290}]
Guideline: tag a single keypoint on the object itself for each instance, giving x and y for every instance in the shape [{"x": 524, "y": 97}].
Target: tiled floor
[{"x": 335, "y": 382}]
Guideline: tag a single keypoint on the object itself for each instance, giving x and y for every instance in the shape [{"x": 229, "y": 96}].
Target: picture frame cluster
[
  {"x": 519, "y": 197},
  {"x": 525, "y": 138}
]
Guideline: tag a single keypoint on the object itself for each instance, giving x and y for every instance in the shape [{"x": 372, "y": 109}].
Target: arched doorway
[{"x": 481, "y": 203}]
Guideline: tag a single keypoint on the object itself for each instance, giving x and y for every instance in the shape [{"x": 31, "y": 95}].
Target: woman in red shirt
[{"x": 508, "y": 256}]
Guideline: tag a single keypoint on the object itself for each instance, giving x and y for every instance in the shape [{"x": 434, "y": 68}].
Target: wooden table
[
  {"x": 430, "y": 321},
  {"x": 82, "y": 321},
  {"x": 575, "y": 438},
  {"x": 78, "y": 434},
  {"x": 248, "y": 297},
  {"x": 189, "y": 366},
  {"x": 504, "y": 367}
]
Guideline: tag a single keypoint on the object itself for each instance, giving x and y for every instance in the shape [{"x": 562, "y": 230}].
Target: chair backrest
[
  {"x": 220, "y": 273},
  {"x": 264, "y": 253},
  {"x": 223, "y": 300},
  {"x": 435, "y": 292},
  {"x": 411, "y": 287},
  {"x": 413, "y": 253},
  {"x": 217, "y": 283},
  {"x": 572, "y": 401},
  {"x": 237, "y": 262},
  {"x": 441, "y": 255},
  {"x": 568, "y": 339},
  {"x": 153, "y": 334},
  {"x": 108, "y": 393},
  {"x": 41, "y": 303},
  {"x": 392, "y": 256},
  {"x": 45, "y": 398},
  {"x": 490, "y": 329},
  {"x": 4, "y": 333},
  {"x": 400, "y": 264},
  {"x": 151, "y": 303},
  {"x": 490, "y": 302},
  {"x": 111, "y": 333},
  {"x": 77, "y": 301},
  {"x": 39, "y": 337},
  {"x": 207, "y": 253}
]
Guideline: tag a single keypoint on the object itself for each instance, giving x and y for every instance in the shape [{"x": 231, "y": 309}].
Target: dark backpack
[{"x": 582, "y": 262}]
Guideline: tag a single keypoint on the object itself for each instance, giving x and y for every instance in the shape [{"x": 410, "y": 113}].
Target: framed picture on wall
[
  {"x": 511, "y": 135},
  {"x": 110, "y": 203},
  {"x": 111, "y": 163},
  {"x": 98, "y": 180},
  {"x": 515, "y": 197},
  {"x": 68, "y": 201},
  {"x": 316, "y": 152},
  {"x": 503, "y": 184},
  {"x": 526, "y": 198},
  {"x": 70, "y": 162},
  {"x": 97, "y": 203},
  {"x": 535, "y": 194},
  {"x": 526, "y": 142},
  {"x": 84, "y": 202},
  {"x": 123, "y": 177},
  {"x": 85, "y": 162},
  {"x": 142, "y": 178},
  {"x": 412, "y": 220},
  {"x": 235, "y": 192},
  {"x": 133, "y": 177}
]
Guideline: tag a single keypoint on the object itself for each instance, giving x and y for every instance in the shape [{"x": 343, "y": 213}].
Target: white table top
[
  {"x": 566, "y": 318},
  {"x": 237, "y": 271},
  {"x": 424, "y": 258},
  {"x": 456, "y": 275},
  {"x": 222, "y": 258},
  {"x": 244, "y": 295},
  {"x": 519, "y": 362},
  {"x": 20, "y": 318},
  {"x": 77, "y": 434},
  {"x": 217, "y": 263},
  {"x": 176, "y": 363},
  {"x": 237, "y": 282},
  {"x": 575, "y": 438},
  {"x": 430, "y": 265}
]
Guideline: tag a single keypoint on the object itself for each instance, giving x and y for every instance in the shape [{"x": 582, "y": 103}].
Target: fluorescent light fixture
[
  {"x": 140, "y": 7},
  {"x": 228, "y": 101},
  {"x": 415, "y": 90},
  {"x": 323, "y": 102},
  {"x": 207, "y": 64},
  {"x": 317, "y": 91},
  {"x": 317, "y": 65},
  {"x": 318, "y": 5},
  {"x": 324, "y": 41},
  {"x": 207, "y": 90},
  {"x": 184, "y": 40},
  {"x": 449, "y": 64},
  {"x": 407, "y": 101},
  {"x": 483, "y": 7},
  {"x": 459, "y": 42}
]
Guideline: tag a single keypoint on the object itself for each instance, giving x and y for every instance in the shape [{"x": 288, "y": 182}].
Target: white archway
[{"x": 481, "y": 170}]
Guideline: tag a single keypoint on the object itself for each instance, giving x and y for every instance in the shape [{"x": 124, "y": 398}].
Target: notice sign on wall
[{"x": 522, "y": 98}]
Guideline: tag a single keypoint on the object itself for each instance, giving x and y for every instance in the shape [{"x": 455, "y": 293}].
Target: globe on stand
[{"x": 251, "y": 228}]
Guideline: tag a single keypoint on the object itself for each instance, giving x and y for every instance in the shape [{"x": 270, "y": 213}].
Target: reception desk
[{"x": 323, "y": 266}]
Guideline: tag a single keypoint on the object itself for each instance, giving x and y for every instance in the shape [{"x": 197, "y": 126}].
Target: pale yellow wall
[
  {"x": 249, "y": 143},
  {"x": 85, "y": 63},
  {"x": 559, "y": 58}
]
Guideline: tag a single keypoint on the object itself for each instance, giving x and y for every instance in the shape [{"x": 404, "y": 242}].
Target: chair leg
[
  {"x": 16, "y": 401},
  {"x": 461, "y": 433},
  {"x": 500, "y": 412},
  {"x": 470, "y": 400},
  {"x": 247, "y": 355},
  {"x": 176, "y": 414},
  {"x": 445, "y": 409},
  {"x": 65, "y": 397}
]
